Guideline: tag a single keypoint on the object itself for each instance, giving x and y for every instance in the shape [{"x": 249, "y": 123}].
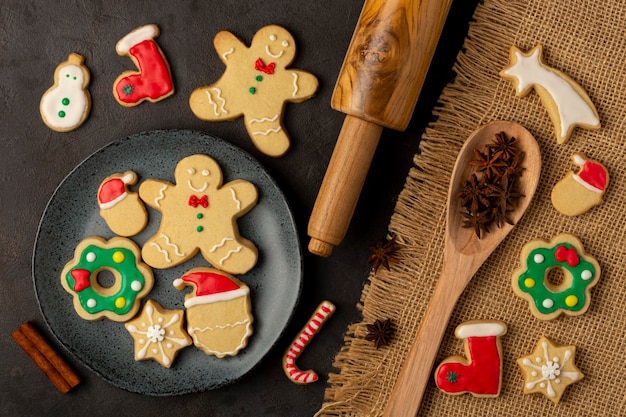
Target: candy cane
[{"x": 323, "y": 312}]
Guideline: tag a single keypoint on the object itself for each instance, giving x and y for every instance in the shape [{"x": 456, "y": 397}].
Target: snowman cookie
[
  {"x": 579, "y": 192},
  {"x": 218, "y": 311},
  {"x": 123, "y": 210},
  {"x": 66, "y": 104},
  {"x": 257, "y": 84},
  {"x": 153, "y": 82},
  {"x": 199, "y": 213}
]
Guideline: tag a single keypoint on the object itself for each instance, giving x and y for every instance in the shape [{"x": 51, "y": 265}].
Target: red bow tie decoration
[
  {"x": 202, "y": 201},
  {"x": 563, "y": 254},
  {"x": 260, "y": 66}
]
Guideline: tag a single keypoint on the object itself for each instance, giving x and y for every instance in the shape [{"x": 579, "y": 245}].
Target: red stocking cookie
[
  {"x": 323, "y": 312},
  {"x": 153, "y": 81},
  {"x": 480, "y": 373}
]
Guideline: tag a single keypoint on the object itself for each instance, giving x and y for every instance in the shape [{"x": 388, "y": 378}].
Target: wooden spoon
[{"x": 463, "y": 254}]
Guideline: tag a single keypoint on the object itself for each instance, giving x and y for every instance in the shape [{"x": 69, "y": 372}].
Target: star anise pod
[
  {"x": 503, "y": 147},
  {"x": 491, "y": 165},
  {"x": 383, "y": 253},
  {"x": 474, "y": 194},
  {"x": 514, "y": 165},
  {"x": 380, "y": 332},
  {"x": 505, "y": 193},
  {"x": 478, "y": 221}
]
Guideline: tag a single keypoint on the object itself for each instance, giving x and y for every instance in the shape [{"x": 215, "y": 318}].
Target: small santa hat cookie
[
  {"x": 113, "y": 189},
  {"x": 578, "y": 192},
  {"x": 123, "y": 210}
]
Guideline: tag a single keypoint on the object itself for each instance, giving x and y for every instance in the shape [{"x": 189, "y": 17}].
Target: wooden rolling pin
[{"x": 378, "y": 86}]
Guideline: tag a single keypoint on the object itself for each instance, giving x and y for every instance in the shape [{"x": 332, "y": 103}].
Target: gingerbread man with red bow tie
[
  {"x": 257, "y": 84},
  {"x": 199, "y": 213}
]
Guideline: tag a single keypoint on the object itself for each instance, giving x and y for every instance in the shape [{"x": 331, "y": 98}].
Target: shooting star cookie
[{"x": 566, "y": 101}]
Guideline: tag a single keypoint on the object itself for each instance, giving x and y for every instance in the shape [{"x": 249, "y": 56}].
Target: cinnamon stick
[{"x": 45, "y": 357}]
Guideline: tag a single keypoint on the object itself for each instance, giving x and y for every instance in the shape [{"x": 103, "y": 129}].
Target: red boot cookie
[{"x": 480, "y": 373}]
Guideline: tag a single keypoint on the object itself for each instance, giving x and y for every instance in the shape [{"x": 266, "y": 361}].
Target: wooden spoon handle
[{"x": 407, "y": 393}]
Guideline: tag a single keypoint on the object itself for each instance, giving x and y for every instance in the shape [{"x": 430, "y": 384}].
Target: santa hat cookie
[
  {"x": 219, "y": 312},
  {"x": 480, "y": 372},
  {"x": 153, "y": 81},
  {"x": 578, "y": 192},
  {"x": 123, "y": 210}
]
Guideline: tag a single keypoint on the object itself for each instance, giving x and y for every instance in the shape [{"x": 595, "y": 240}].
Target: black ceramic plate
[{"x": 105, "y": 346}]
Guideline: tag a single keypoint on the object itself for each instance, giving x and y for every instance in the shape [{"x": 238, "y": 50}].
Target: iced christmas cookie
[
  {"x": 219, "y": 312},
  {"x": 153, "y": 81},
  {"x": 66, "y": 104},
  {"x": 122, "y": 209},
  {"x": 257, "y": 84},
  {"x": 480, "y": 372},
  {"x": 547, "y": 300},
  {"x": 549, "y": 369},
  {"x": 92, "y": 299},
  {"x": 200, "y": 213},
  {"x": 158, "y": 333},
  {"x": 579, "y": 192},
  {"x": 323, "y": 313},
  {"x": 566, "y": 101}
]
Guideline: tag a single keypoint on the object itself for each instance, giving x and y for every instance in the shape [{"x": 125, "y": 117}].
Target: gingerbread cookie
[
  {"x": 566, "y": 101},
  {"x": 546, "y": 299},
  {"x": 119, "y": 256},
  {"x": 158, "y": 333},
  {"x": 198, "y": 213},
  {"x": 122, "y": 209},
  {"x": 219, "y": 312},
  {"x": 256, "y": 84},
  {"x": 480, "y": 372},
  {"x": 66, "y": 104},
  {"x": 153, "y": 81},
  {"x": 549, "y": 369},
  {"x": 579, "y": 192}
]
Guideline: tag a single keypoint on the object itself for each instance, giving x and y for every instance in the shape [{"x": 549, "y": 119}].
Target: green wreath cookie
[{"x": 548, "y": 300}]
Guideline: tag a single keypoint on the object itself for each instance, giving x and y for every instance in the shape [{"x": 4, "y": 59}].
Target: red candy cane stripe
[{"x": 323, "y": 312}]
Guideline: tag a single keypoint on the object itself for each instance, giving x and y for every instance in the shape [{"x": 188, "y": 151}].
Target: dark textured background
[{"x": 35, "y": 36}]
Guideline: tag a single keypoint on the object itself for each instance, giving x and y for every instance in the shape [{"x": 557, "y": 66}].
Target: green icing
[
  {"x": 538, "y": 272},
  {"x": 127, "y": 270}
]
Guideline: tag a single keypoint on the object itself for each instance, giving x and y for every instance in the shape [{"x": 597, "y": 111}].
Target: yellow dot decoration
[
  {"x": 571, "y": 300},
  {"x": 529, "y": 282},
  {"x": 118, "y": 257},
  {"x": 120, "y": 302}
]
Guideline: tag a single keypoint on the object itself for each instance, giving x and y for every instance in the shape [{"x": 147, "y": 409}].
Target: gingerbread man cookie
[
  {"x": 256, "y": 84},
  {"x": 199, "y": 213}
]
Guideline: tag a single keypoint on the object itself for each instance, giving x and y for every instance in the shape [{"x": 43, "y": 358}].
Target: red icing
[
  {"x": 562, "y": 254},
  {"x": 480, "y": 377},
  {"x": 153, "y": 81},
  {"x": 81, "y": 279},
  {"x": 260, "y": 66},
  {"x": 111, "y": 190},
  {"x": 210, "y": 282},
  {"x": 195, "y": 201},
  {"x": 593, "y": 174}
]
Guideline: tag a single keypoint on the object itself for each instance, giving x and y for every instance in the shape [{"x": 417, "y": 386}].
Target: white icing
[
  {"x": 197, "y": 190},
  {"x": 162, "y": 251},
  {"x": 135, "y": 37},
  {"x": 538, "y": 258},
  {"x": 295, "y": 85},
  {"x": 478, "y": 329},
  {"x": 268, "y": 131},
  {"x": 586, "y": 274},
  {"x": 264, "y": 119},
  {"x": 226, "y": 53},
  {"x": 217, "y": 108},
  {"x": 267, "y": 51},
  {"x": 136, "y": 286},
  {"x": 161, "y": 196},
  {"x": 191, "y": 171},
  {"x": 91, "y": 303},
  {"x": 230, "y": 252},
  {"x": 586, "y": 184},
  {"x": 549, "y": 370},
  {"x": 234, "y": 195},
  {"x": 69, "y": 86},
  {"x": 242, "y": 342},
  {"x": 205, "y": 172},
  {"x": 221, "y": 244},
  {"x": 547, "y": 303},
  {"x": 571, "y": 106},
  {"x": 91, "y": 257},
  {"x": 173, "y": 245},
  {"x": 272, "y": 37},
  {"x": 214, "y": 298}
]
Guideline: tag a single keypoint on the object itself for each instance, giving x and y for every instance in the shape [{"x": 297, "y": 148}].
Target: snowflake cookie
[
  {"x": 549, "y": 369},
  {"x": 158, "y": 334}
]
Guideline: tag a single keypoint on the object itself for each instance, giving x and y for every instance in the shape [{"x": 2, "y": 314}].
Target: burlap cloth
[{"x": 587, "y": 41}]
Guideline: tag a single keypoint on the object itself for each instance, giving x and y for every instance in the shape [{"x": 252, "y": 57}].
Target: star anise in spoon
[
  {"x": 487, "y": 162},
  {"x": 479, "y": 221},
  {"x": 474, "y": 194},
  {"x": 380, "y": 332},
  {"x": 503, "y": 146}
]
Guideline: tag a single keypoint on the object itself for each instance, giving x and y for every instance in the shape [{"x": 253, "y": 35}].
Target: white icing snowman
[{"x": 66, "y": 104}]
